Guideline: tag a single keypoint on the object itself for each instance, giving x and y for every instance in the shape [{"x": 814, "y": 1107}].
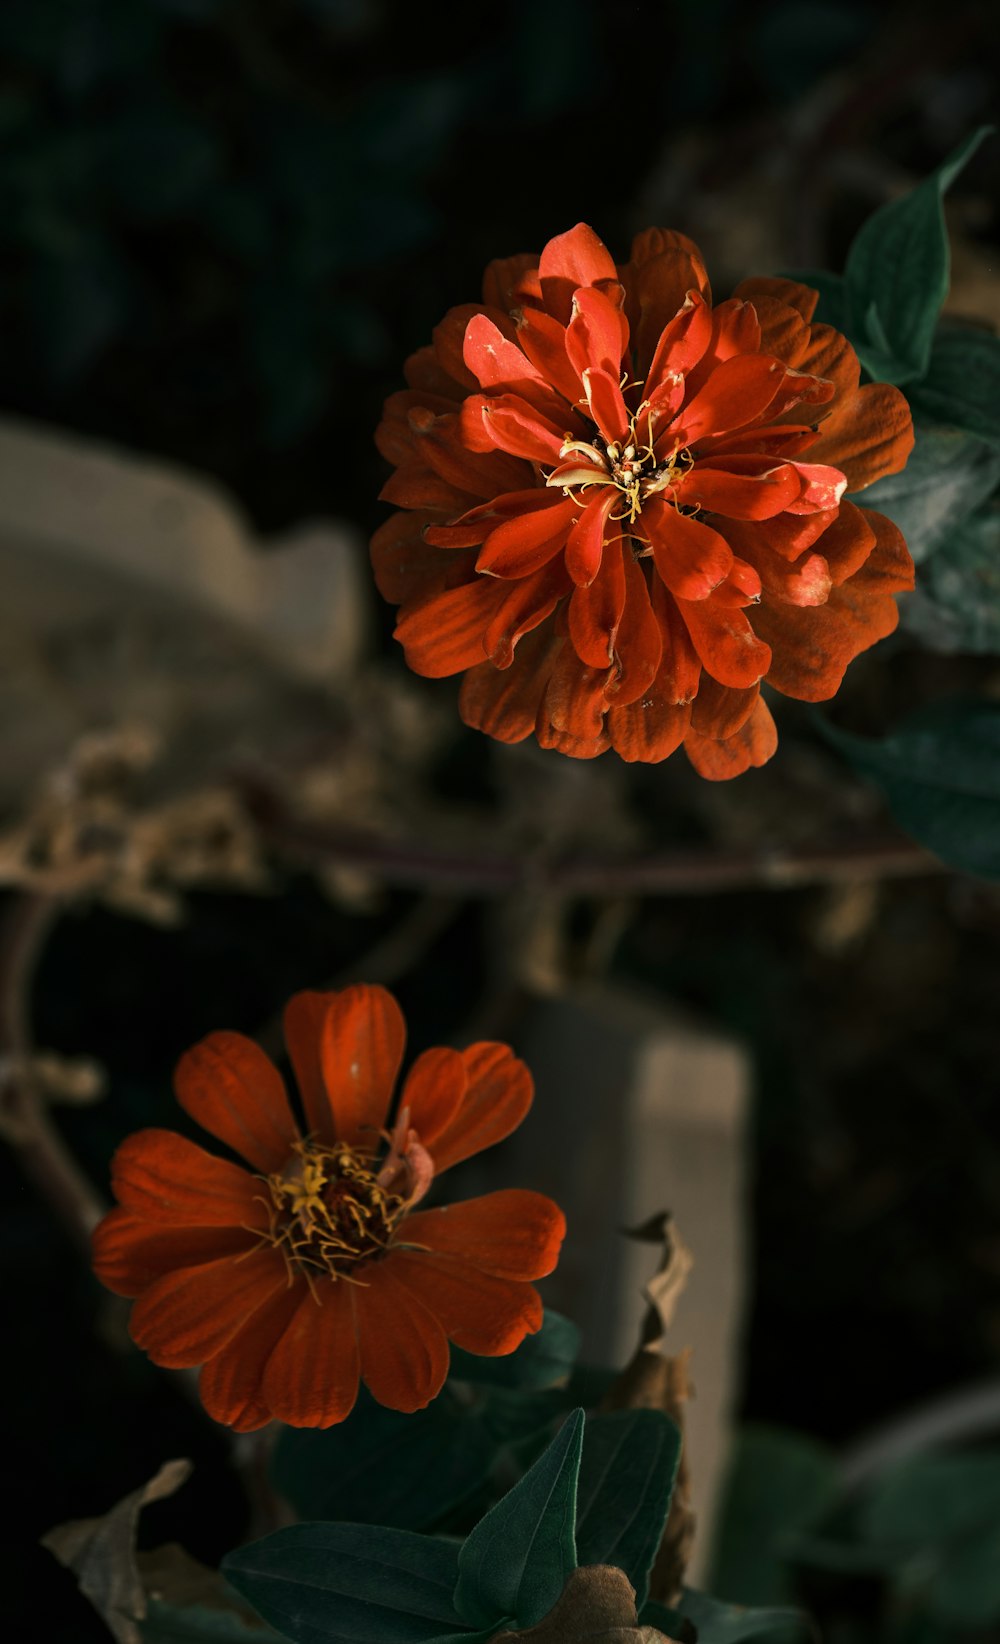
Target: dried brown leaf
[
  {"x": 597, "y": 1606},
  {"x": 101, "y": 1553}
]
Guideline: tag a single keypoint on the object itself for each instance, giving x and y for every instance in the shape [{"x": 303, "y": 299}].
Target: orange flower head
[
  {"x": 295, "y": 1279},
  {"x": 605, "y": 519}
]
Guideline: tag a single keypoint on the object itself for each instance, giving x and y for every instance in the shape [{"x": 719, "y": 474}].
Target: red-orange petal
[
  {"x": 235, "y": 1092},
  {"x": 404, "y": 1350},
  {"x": 189, "y": 1315},
  {"x": 434, "y": 1089},
  {"x": 523, "y": 545},
  {"x": 753, "y": 744},
  {"x": 718, "y": 711},
  {"x": 311, "y": 1377},
  {"x": 724, "y": 640},
  {"x": 230, "y": 1383},
  {"x": 803, "y": 298},
  {"x": 497, "y": 1097},
  {"x": 689, "y": 556},
  {"x": 738, "y": 391},
  {"x": 569, "y": 261},
  {"x": 513, "y": 1233},
  {"x": 361, "y": 1047},
  {"x": 129, "y": 1253},
  {"x": 595, "y": 610},
  {"x": 303, "y": 1021},
  {"x": 165, "y": 1178},
  {"x": 504, "y": 703},
  {"x": 649, "y": 729},
  {"x": 478, "y": 1312},
  {"x": 444, "y": 633},
  {"x": 868, "y": 436}
]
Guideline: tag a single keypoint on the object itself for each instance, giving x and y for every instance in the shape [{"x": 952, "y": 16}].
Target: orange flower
[
  {"x": 607, "y": 524},
  {"x": 295, "y": 1279}
]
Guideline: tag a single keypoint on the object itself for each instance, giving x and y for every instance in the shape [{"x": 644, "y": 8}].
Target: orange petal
[
  {"x": 753, "y": 744},
  {"x": 189, "y": 1315},
  {"x": 570, "y": 260},
  {"x": 230, "y": 1383},
  {"x": 361, "y": 1046},
  {"x": 311, "y": 1377},
  {"x": 433, "y": 1092},
  {"x": 575, "y": 697},
  {"x": 689, "y": 556},
  {"x": 649, "y": 729},
  {"x": 514, "y": 1233},
  {"x": 165, "y": 1178},
  {"x": 523, "y": 545},
  {"x": 724, "y": 640},
  {"x": 404, "y": 563},
  {"x": 129, "y": 1254},
  {"x": 868, "y": 435},
  {"x": 235, "y": 1092},
  {"x": 303, "y": 1024},
  {"x": 443, "y": 634},
  {"x": 504, "y": 703},
  {"x": 595, "y": 610},
  {"x": 789, "y": 292},
  {"x": 525, "y": 604},
  {"x": 811, "y": 649},
  {"x": 507, "y": 279},
  {"x": 404, "y": 1351},
  {"x": 718, "y": 711},
  {"x": 477, "y": 1311},
  {"x": 497, "y": 1097},
  {"x": 639, "y": 641},
  {"x": 738, "y": 391}
]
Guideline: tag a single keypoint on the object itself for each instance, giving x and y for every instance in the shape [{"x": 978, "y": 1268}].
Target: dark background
[{"x": 222, "y": 228}]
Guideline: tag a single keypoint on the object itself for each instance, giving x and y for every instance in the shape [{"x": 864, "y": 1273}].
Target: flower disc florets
[
  {"x": 606, "y": 522},
  {"x": 328, "y": 1211}
]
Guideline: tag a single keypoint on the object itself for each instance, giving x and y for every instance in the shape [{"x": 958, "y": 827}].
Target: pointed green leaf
[
  {"x": 541, "y": 1361},
  {"x": 940, "y": 772},
  {"x": 949, "y": 473},
  {"x": 626, "y": 1480},
  {"x": 350, "y": 1584},
  {"x": 730, "y": 1623},
  {"x": 517, "y": 1560},
  {"x": 962, "y": 385},
  {"x": 383, "y": 1467},
  {"x": 956, "y": 604},
  {"x": 897, "y": 275},
  {"x": 777, "y": 1482}
]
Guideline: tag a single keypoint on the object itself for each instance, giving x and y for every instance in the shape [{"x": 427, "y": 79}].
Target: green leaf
[
  {"x": 934, "y": 1498},
  {"x": 777, "y": 1483},
  {"x": 383, "y": 1467},
  {"x": 956, "y": 605},
  {"x": 515, "y": 1563},
  {"x": 350, "y": 1584},
  {"x": 541, "y": 1361},
  {"x": 665, "y": 1620},
  {"x": 949, "y": 473},
  {"x": 897, "y": 275},
  {"x": 940, "y": 772},
  {"x": 626, "y": 1480},
  {"x": 962, "y": 385},
  {"x": 966, "y": 1592},
  {"x": 730, "y": 1623}
]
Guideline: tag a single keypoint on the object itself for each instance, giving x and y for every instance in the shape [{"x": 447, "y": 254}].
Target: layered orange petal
[
  {"x": 311, "y": 1376},
  {"x": 498, "y": 1094},
  {"x": 230, "y": 1384},
  {"x": 403, "y": 1348},
  {"x": 230, "y": 1088},
  {"x": 165, "y": 1178},
  {"x": 361, "y": 1047},
  {"x": 514, "y": 1233},
  {"x": 477, "y": 1311},
  {"x": 753, "y": 744},
  {"x": 190, "y": 1314},
  {"x": 129, "y": 1254}
]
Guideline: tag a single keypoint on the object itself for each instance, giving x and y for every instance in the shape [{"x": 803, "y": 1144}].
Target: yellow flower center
[
  {"x": 329, "y": 1212},
  {"x": 630, "y": 465}
]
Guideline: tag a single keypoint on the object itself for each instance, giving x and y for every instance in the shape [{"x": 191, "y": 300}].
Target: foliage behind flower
[
  {"x": 294, "y": 1280},
  {"x": 605, "y": 520}
]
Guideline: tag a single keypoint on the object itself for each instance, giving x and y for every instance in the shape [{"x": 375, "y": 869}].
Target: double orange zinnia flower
[
  {"x": 606, "y": 523},
  {"x": 295, "y": 1279}
]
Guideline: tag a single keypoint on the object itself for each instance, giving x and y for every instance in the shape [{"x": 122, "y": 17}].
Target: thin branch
[
  {"x": 24, "y": 1118},
  {"x": 418, "y": 865}
]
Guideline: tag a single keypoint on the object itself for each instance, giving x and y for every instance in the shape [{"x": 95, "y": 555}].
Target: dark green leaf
[
  {"x": 730, "y": 1623},
  {"x": 777, "y": 1483},
  {"x": 626, "y": 1480},
  {"x": 949, "y": 473},
  {"x": 198, "y": 1624},
  {"x": 350, "y": 1584},
  {"x": 956, "y": 605},
  {"x": 940, "y": 772},
  {"x": 934, "y": 1498},
  {"x": 966, "y": 1591},
  {"x": 962, "y": 385},
  {"x": 542, "y": 1360},
  {"x": 383, "y": 1467},
  {"x": 897, "y": 275},
  {"x": 516, "y": 1561},
  {"x": 667, "y": 1621}
]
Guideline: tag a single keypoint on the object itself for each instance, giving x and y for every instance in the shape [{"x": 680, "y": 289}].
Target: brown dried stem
[{"x": 24, "y": 1119}]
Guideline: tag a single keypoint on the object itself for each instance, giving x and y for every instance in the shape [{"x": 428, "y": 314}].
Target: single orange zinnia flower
[
  {"x": 295, "y": 1279},
  {"x": 605, "y": 520}
]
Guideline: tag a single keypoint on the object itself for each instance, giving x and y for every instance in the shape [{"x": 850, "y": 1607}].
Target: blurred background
[{"x": 223, "y": 226}]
